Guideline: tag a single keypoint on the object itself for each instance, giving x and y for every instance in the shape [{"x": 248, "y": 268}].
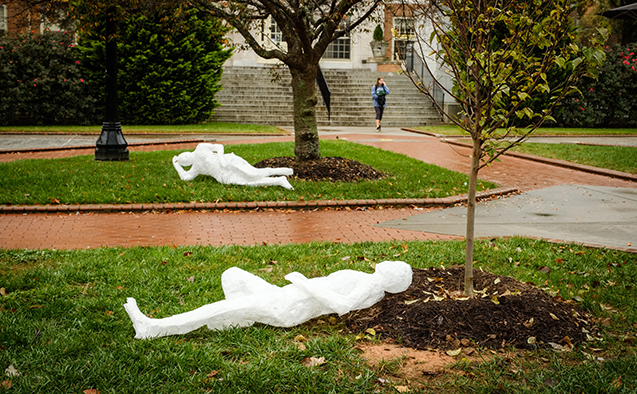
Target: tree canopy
[{"x": 307, "y": 28}]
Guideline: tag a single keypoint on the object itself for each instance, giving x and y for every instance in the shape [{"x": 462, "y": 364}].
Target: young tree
[
  {"x": 307, "y": 27},
  {"x": 498, "y": 54}
]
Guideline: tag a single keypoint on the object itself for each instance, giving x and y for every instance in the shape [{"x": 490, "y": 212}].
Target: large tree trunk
[
  {"x": 471, "y": 217},
  {"x": 306, "y": 138}
]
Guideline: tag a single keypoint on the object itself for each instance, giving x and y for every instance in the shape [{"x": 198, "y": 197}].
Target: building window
[
  {"x": 338, "y": 49},
  {"x": 3, "y": 19},
  {"x": 404, "y": 33},
  {"x": 275, "y": 32}
]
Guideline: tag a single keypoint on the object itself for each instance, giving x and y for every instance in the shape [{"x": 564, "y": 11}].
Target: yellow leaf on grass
[{"x": 454, "y": 353}]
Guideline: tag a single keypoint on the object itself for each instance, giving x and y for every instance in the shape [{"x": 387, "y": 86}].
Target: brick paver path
[{"x": 91, "y": 230}]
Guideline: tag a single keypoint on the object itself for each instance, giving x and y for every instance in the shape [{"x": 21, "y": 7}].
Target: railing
[{"x": 419, "y": 71}]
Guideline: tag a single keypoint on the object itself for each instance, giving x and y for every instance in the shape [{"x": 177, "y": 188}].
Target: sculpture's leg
[
  {"x": 217, "y": 315},
  {"x": 272, "y": 181}
]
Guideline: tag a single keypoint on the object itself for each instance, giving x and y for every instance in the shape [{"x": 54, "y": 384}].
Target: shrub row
[
  {"x": 169, "y": 73},
  {"x": 611, "y": 100},
  {"x": 41, "y": 82}
]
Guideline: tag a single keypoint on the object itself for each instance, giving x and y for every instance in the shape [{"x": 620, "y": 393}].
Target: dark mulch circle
[
  {"x": 327, "y": 168},
  {"x": 505, "y": 313}
]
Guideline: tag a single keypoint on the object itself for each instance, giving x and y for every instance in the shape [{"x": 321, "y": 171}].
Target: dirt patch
[
  {"x": 327, "y": 168},
  {"x": 432, "y": 314},
  {"x": 410, "y": 364}
]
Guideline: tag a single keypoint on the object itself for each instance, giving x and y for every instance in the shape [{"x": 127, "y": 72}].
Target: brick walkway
[{"x": 91, "y": 230}]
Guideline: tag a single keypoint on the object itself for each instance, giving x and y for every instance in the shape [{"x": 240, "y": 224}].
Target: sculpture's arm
[
  {"x": 339, "y": 303},
  {"x": 183, "y": 174}
]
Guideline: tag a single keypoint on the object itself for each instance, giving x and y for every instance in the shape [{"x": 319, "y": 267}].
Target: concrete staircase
[{"x": 250, "y": 95}]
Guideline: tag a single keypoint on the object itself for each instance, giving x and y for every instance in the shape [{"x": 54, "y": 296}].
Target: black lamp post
[{"x": 111, "y": 145}]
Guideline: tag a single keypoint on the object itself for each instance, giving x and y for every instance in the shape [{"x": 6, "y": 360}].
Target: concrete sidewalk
[
  {"x": 350, "y": 223},
  {"x": 570, "y": 213}
]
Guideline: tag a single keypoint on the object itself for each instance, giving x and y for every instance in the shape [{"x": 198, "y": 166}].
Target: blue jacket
[{"x": 375, "y": 96}]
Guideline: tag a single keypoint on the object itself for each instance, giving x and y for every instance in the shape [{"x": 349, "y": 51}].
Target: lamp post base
[{"x": 111, "y": 145}]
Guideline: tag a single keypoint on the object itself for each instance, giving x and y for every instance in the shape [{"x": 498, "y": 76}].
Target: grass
[
  {"x": 63, "y": 327},
  {"x": 205, "y": 128},
  {"x": 150, "y": 177},
  {"x": 618, "y": 158},
  {"x": 543, "y": 131}
]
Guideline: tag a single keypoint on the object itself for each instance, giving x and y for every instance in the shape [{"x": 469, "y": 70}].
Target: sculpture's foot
[
  {"x": 144, "y": 327},
  {"x": 283, "y": 182}
]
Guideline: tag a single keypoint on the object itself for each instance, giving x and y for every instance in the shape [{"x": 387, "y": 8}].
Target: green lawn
[
  {"x": 618, "y": 158},
  {"x": 63, "y": 327},
  {"x": 150, "y": 177},
  {"x": 206, "y": 128},
  {"x": 543, "y": 131}
]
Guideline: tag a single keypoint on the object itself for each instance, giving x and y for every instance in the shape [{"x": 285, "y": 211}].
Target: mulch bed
[
  {"x": 505, "y": 313},
  {"x": 328, "y": 168}
]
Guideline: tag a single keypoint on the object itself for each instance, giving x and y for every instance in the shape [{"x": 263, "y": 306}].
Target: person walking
[{"x": 379, "y": 93}]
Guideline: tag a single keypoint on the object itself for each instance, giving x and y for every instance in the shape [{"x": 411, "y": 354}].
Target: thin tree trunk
[
  {"x": 471, "y": 217},
  {"x": 306, "y": 138}
]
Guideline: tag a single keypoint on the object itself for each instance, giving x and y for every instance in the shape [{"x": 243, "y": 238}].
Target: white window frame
[
  {"x": 3, "y": 19},
  {"x": 404, "y": 31},
  {"x": 342, "y": 45}
]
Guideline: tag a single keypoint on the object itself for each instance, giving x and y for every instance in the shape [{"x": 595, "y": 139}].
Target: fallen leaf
[
  {"x": 91, "y": 391},
  {"x": 568, "y": 342},
  {"x": 186, "y": 254},
  {"x": 496, "y": 281},
  {"x": 11, "y": 371},
  {"x": 495, "y": 300},
  {"x": 371, "y": 331},
  {"x": 469, "y": 351},
  {"x": 411, "y": 302},
  {"x": 6, "y": 384},
  {"x": 531, "y": 340},
  {"x": 528, "y": 323},
  {"x": 213, "y": 374},
  {"x": 313, "y": 361},
  {"x": 402, "y": 389},
  {"x": 545, "y": 270},
  {"x": 553, "y": 316},
  {"x": 3, "y": 291},
  {"x": 191, "y": 279},
  {"x": 454, "y": 353},
  {"x": 300, "y": 338}
]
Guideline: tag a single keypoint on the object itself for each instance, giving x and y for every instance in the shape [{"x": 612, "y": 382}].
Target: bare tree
[
  {"x": 510, "y": 62},
  {"x": 307, "y": 28}
]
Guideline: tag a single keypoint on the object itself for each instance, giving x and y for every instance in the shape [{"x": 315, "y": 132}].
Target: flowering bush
[
  {"x": 611, "y": 100},
  {"x": 168, "y": 73},
  {"x": 40, "y": 81}
]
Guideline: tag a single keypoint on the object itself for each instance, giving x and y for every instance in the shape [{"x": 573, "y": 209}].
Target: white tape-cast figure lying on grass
[
  {"x": 250, "y": 299},
  {"x": 228, "y": 168}
]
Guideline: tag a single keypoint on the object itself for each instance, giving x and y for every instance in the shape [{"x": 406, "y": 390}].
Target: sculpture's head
[
  {"x": 186, "y": 159},
  {"x": 395, "y": 276}
]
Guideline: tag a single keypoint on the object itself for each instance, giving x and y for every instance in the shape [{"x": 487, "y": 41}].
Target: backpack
[{"x": 381, "y": 98}]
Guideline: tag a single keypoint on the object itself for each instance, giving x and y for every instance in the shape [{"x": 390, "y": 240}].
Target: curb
[
  {"x": 255, "y": 205},
  {"x": 559, "y": 163}
]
